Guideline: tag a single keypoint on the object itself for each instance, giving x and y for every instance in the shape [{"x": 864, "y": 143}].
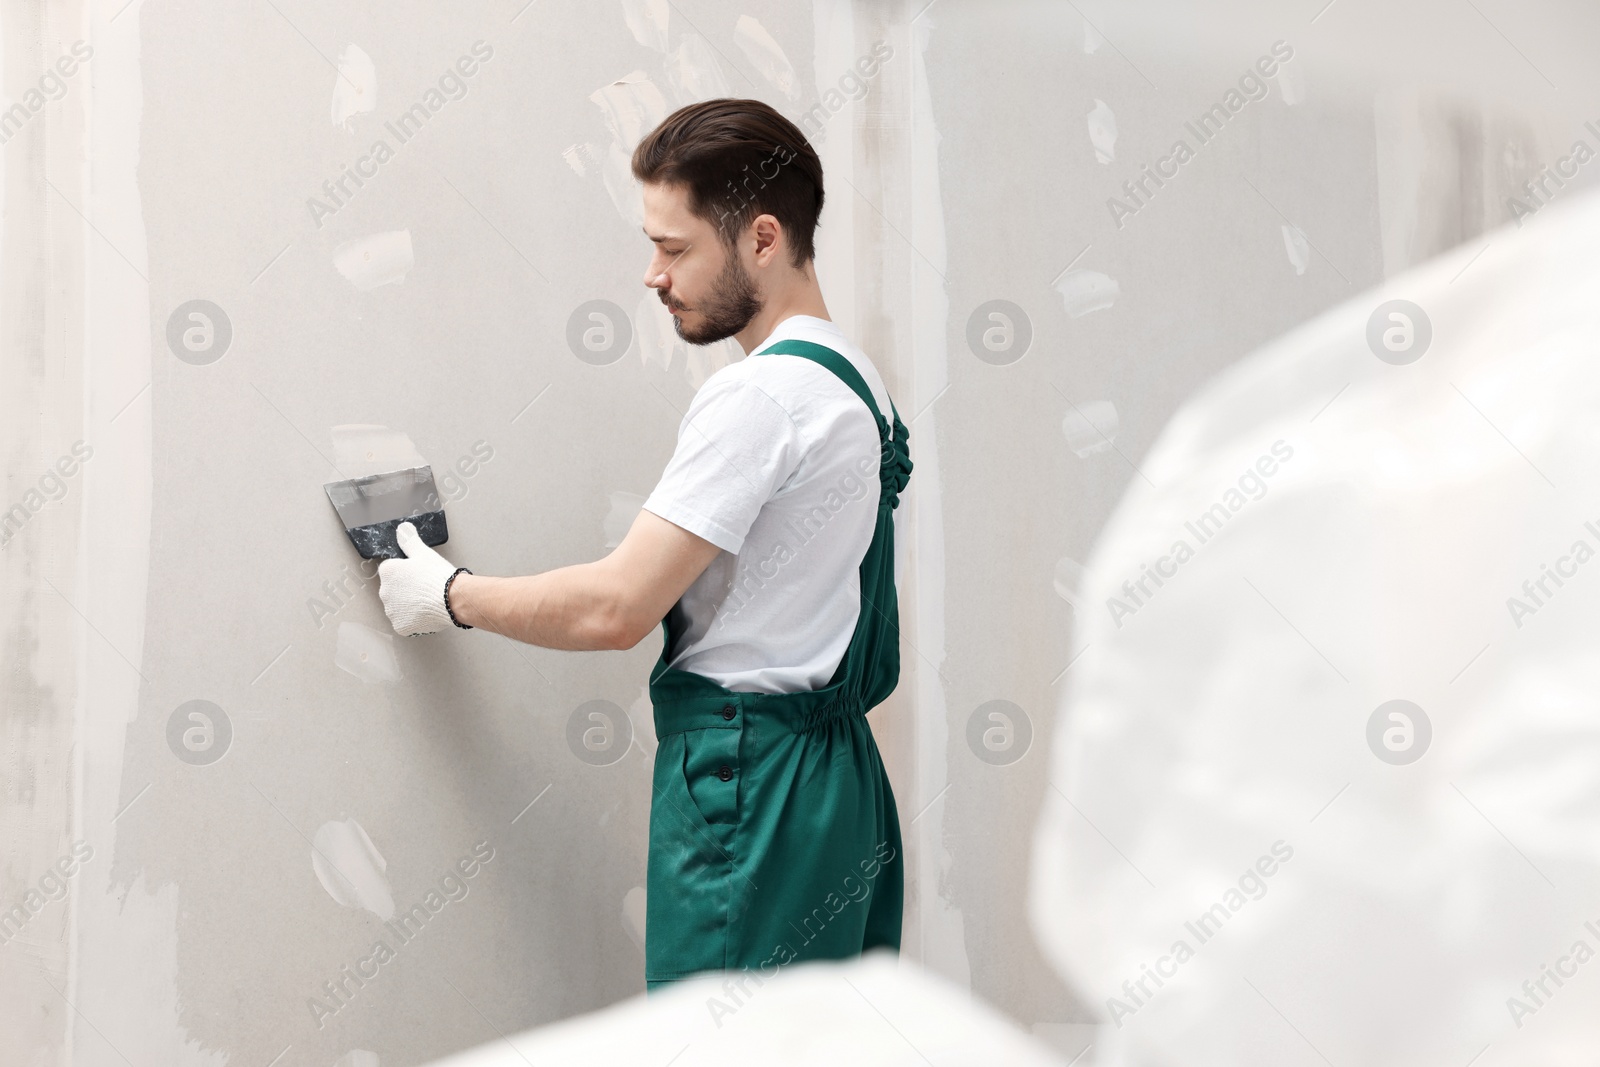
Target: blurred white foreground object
[
  {"x": 873, "y": 1010},
  {"x": 1327, "y": 778}
]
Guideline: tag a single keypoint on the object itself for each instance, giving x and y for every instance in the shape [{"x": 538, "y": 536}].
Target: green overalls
[{"x": 773, "y": 831}]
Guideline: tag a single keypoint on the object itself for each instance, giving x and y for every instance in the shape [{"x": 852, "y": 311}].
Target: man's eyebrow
[{"x": 663, "y": 237}]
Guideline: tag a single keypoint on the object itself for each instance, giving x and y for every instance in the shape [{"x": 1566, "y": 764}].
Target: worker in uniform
[{"x": 766, "y": 555}]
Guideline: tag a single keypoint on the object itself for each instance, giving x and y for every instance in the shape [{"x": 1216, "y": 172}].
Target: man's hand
[{"x": 412, "y": 589}]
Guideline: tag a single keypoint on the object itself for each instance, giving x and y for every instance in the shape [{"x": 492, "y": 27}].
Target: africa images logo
[
  {"x": 1138, "y": 592},
  {"x": 340, "y": 991},
  {"x": 1251, "y": 885},
  {"x": 1139, "y": 191}
]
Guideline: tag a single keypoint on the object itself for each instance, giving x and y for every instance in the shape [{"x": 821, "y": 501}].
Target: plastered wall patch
[
  {"x": 765, "y": 55},
  {"x": 351, "y": 869},
  {"x": 659, "y": 344},
  {"x": 357, "y": 1057},
  {"x": 621, "y": 187},
  {"x": 643, "y": 715},
  {"x": 632, "y": 106},
  {"x": 633, "y": 915},
  {"x": 1292, "y": 82},
  {"x": 1299, "y": 249},
  {"x": 355, "y": 87},
  {"x": 362, "y": 448},
  {"x": 378, "y": 259},
  {"x": 351, "y": 983},
  {"x": 693, "y": 73},
  {"x": 1103, "y": 132},
  {"x": 367, "y": 654},
  {"x": 1090, "y": 427},
  {"x": 582, "y": 158},
  {"x": 647, "y": 21},
  {"x": 658, "y": 338},
  {"x": 1068, "y": 581},
  {"x": 1085, "y": 291}
]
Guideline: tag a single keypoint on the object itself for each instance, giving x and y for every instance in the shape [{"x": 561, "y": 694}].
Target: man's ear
[{"x": 769, "y": 238}]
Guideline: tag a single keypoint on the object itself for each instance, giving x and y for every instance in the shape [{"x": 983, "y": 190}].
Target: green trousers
[{"x": 773, "y": 831}]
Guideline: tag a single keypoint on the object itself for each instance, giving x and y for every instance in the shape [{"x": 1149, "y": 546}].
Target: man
[{"x": 767, "y": 551}]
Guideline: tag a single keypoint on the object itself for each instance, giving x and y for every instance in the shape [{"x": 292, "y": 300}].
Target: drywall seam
[
  {"x": 842, "y": 231},
  {"x": 833, "y": 40},
  {"x": 125, "y": 984},
  {"x": 941, "y": 925},
  {"x": 860, "y": 157}
]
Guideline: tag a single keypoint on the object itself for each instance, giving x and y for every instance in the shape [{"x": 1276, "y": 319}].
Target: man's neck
[{"x": 804, "y": 301}]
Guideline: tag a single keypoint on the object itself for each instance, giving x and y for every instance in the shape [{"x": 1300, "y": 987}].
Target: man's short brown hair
[{"x": 738, "y": 159}]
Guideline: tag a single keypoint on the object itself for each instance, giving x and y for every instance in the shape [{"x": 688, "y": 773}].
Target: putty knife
[{"x": 372, "y": 509}]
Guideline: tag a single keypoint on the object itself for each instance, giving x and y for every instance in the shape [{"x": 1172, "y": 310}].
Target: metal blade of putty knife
[{"x": 373, "y": 507}]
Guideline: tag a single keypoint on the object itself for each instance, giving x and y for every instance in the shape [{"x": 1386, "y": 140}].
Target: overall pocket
[
  {"x": 712, "y": 777},
  {"x": 692, "y": 878}
]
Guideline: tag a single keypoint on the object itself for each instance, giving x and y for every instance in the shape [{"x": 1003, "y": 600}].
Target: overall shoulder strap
[{"x": 842, "y": 367}]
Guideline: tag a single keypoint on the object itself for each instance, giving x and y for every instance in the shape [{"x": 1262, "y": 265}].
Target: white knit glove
[{"x": 412, "y": 589}]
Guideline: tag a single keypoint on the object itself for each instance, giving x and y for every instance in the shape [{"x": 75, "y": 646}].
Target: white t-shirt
[{"x": 777, "y": 465}]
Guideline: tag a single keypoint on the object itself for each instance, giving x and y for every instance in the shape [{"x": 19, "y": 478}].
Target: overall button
[
  {"x": 727, "y": 711},
  {"x": 725, "y": 773}
]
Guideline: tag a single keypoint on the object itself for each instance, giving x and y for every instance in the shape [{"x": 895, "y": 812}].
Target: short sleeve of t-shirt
[{"x": 736, "y": 448}]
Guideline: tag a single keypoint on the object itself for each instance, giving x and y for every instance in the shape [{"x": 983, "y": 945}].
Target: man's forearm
[{"x": 579, "y": 608}]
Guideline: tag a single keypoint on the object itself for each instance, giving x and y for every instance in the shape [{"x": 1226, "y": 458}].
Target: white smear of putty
[
  {"x": 362, "y": 448},
  {"x": 351, "y": 869},
  {"x": 658, "y": 338},
  {"x": 766, "y": 55},
  {"x": 355, "y": 87},
  {"x": 1090, "y": 427},
  {"x": 625, "y": 508},
  {"x": 659, "y": 344},
  {"x": 1292, "y": 82},
  {"x": 647, "y": 21},
  {"x": 1068, "y": 581},
  {"x": 118, "y": 952},
  {"x": 1299, "y": 249},
  {"x": 366, "y": 653},
  {"x": 643, "y": 715},
  {"x": 931, "y": 846},
  {"x": 1091, "y": 40},
  {"x": 633, "y": 915},
  {"x": 621, "y": 185},
  {"x": 1103, "y": 132},
  {"x": 693, "y": 72},
  {"x": 357, "y": 1057},
  {"x": 632, "y": 106},
  {"x": 374, "y": 260},
  {"x": 1083, "y": 291},
  {"x": 580, "y": 157}
]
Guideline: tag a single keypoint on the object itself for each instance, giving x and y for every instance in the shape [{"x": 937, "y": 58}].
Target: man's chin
[{"x": 698, "y": 339}]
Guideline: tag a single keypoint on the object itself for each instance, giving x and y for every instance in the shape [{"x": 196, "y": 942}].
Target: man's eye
[{"x": 673, "y": 251}]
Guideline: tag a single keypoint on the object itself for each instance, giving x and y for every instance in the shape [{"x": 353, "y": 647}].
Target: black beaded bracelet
[{"x": 447, "y": 607}]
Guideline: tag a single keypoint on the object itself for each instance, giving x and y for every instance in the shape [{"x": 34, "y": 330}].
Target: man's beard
[{"x": 730, "y": 307}]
